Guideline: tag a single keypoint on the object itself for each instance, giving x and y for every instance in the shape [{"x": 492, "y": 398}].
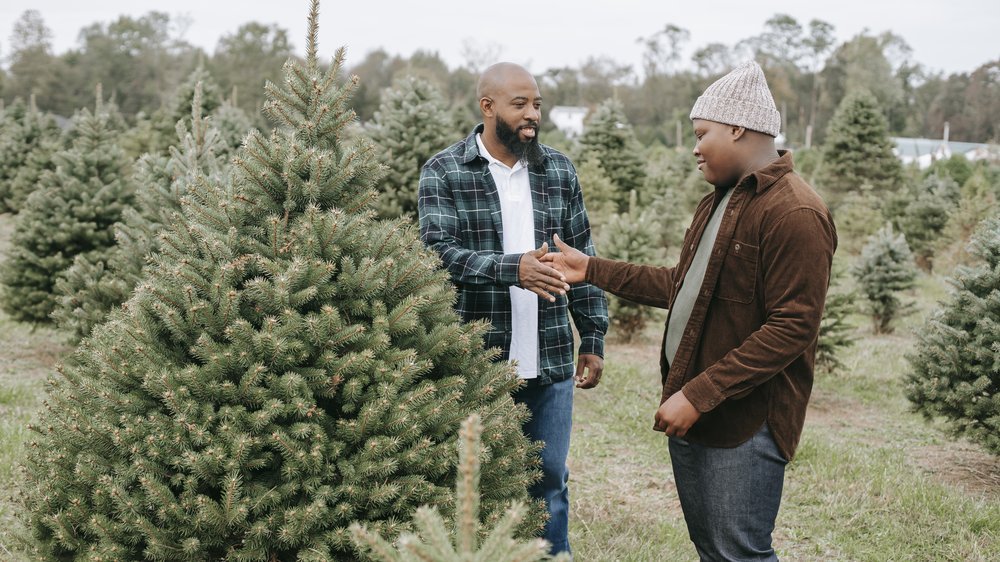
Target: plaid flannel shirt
[{"x": 460, "y": 218}]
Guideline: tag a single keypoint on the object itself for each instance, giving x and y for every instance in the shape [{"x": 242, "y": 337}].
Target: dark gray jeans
[{"x": 730, "y": 497}]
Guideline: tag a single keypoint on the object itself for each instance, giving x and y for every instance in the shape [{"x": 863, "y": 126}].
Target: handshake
[{"x": 549, "y": 273}]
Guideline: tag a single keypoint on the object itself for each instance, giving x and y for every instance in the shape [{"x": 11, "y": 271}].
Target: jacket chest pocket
[{"x": 738, "y": 278}]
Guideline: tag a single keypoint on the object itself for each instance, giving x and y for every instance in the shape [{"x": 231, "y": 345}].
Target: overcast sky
[{"x": 946, "y": 35}]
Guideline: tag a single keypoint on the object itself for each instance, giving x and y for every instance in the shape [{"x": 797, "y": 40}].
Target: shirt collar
[
  {"x": 765, "y": 177},
  {"x": 489, "y": 157},
  {"x": 472, "y": 146}
]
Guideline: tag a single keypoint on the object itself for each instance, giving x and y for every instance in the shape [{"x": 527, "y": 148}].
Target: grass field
[{"x": 871, "y": 481}]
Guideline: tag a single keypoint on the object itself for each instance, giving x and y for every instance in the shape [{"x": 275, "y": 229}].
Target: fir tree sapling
[
  {"x": 287, "y": 366},
  {"x": 954, "y": 370},
  {"x": 884, "y": 269},
  {"x": 925, "y": 215},
  {"x": 71, "y": 213},
  {"x": 465, "y": 540}
]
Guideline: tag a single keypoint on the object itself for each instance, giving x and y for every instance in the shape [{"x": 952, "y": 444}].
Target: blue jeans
[
  {"x": 551, "y": 408},
  {"x": 730, "y": 497}
]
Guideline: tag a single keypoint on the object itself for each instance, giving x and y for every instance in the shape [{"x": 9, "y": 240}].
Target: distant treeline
[{"x": 141, "y": 61}]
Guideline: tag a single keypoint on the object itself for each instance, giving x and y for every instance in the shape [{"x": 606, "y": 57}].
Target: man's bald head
[
  {"x": 496, "y": 77},
  {"x": 511, "y": 106}
]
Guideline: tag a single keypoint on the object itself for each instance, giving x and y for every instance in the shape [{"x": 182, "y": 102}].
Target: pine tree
[
  {"x": 71, "y": 213},
  {"x": 411, "y": 125},
  {"x": 885, "y": 268},
  {"x": 671, "y": 190},
  {"x": 858, "y": 150},
  {"x": 957, "y": 167},
  {"x": 28, "y": 139},
  {"x": 155, "y": 133},
  {"x": 600, "y": 195},
  {"x": 233, "y": 124},
  {"x": 836, "y": 334},
  {"x": 858, "y": 216},
  {"x": 96, "y": 283},
  {"x": 287, "y": 366},
  {"x": 954, "y": 369},
  {"x": 610, "y": 137},
  {"x": 978, "y": 201},
  {"x": 465, "y": 541},
  {"x": 632, "y": 237},
  {"x": 925, "y": 215}
]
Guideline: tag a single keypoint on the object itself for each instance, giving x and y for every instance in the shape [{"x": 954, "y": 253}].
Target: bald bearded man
[{"x": 490, "y": 205}]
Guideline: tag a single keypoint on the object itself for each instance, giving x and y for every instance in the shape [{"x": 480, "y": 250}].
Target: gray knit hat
[{"x": 740, "y": 98}]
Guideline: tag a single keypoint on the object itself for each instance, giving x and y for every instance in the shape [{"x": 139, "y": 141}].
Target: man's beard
[{"x": 529, "y": 152}]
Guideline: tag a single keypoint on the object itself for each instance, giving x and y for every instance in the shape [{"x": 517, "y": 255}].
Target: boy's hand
[
  {"x": 572, "y": 263},
  {"x": 676, "y": 415}
]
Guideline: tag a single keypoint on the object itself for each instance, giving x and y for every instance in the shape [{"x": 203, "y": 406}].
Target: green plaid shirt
[{"x": 460, "y": 219}]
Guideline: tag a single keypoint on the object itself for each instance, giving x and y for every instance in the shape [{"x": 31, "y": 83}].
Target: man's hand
[
  {"x": 572, "y": 263},
  {"x": 676, "y": 415},
  {"x": 539, "y": 278},
  {"x": 594, "y": 366}
]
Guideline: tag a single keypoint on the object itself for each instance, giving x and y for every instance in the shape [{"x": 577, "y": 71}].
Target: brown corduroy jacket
[{"x": 748, "y": 351}]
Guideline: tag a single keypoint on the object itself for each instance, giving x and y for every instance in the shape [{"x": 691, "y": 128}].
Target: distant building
[
  {"x": 925, "y": 152},
  {"x": 568, "y": 119}
]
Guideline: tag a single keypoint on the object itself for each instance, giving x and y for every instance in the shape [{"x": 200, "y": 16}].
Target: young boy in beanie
[{"x": 745, "y": 300}]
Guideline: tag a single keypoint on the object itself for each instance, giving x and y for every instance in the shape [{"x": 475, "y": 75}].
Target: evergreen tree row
[
  {"x": 70, "y": 213},
  {"x": 96, "y": 283}
]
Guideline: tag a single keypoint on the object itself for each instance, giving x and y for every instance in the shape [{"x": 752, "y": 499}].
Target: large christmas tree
[
  {"x": 858, "y": 151},
  {"x": 288, "y": 366},
  {"x": 71, "y": 213}
]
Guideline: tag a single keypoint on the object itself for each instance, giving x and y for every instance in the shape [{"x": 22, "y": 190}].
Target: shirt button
[{"x": 692, "y": 246}]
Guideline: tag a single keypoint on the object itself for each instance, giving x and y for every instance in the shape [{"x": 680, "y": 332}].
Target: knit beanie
[{"x": 740, "y": 98}]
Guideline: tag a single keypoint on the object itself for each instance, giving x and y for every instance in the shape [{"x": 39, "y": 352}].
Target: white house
[{"x": 568, "y": 119}]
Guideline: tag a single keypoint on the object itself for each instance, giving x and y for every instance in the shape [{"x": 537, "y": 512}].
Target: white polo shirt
[{"x": 514, "y": 191}]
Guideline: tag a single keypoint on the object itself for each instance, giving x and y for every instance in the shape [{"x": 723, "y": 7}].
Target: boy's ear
[{"x": 737, "y": 132}]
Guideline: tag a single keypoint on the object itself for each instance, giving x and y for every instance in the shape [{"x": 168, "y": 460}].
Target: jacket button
[{"x": 737, "y": 247}]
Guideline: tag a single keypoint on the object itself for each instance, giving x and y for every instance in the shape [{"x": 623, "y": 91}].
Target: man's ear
[
  {"x": 486, "y": 106},
  {"x": 736, "y": 132}
]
